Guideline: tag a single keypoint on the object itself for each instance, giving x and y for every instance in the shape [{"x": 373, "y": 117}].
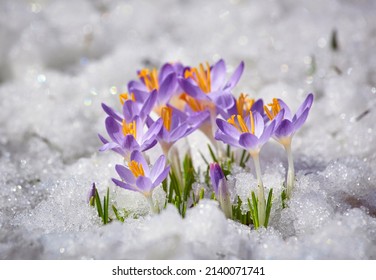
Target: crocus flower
[
  {"x": 206, "y": 88},
  {"x": 244, "y": 104},
  {"x": 133, "y": 108},
  {"x": 286, "y": 127},
  {"x": 176, "y": 125},
  {"x": 250, "y": 134},
  {"x": 138, "y": 177},
  {"x": 91, "y": 195},
  {"x": 164, "y": 82},
  {"x": 129, "y": 136},
  {"x": 221, "y": 190}
]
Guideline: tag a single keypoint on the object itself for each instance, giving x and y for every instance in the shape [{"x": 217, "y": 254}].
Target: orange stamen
[
  {"x": 166, "y": 117},
  {"x": 124, "y": 97},
  {"x": 275, "y": 108},
  {"x": 129, "y": 129},
  {"x": 136, "y": 168},
  {"x": 150, "y": 78},
  {"x": 200, "y": 76}
]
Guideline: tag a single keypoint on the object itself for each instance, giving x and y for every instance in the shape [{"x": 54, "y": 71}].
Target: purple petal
[
  {"x": 268, "y": 132},
  {"x": 165, "y": 70},
  {"x": 153, "y": 130},
  {"x": 258, "y": 106},
  {"x": 112, "y": 113},
  {"x": 307, "y": 103},
  {"x": 144, "y": 184},
  {"x": 124, "y": 185},
  {"x": 227, "y": 128},
  {"x": 216, "y": 174},
  {"x": 301, "y": 120},
  {"x": 130, "y": 144},
  {"x": 125, "y": 174},
  {"x": 138, "y": 157},
  {"x": 192, "y": 89},
  {"x": 227, "y": 139},
  {"x": 148, "y": 105},
  {"x": 167, "y": 88},
  {"x": 163, "y": 175},
  {"x": 234, "y": 79},
  {"x": 178, "y": 133},
  {"x": 130, "y": 110},
  {"x": 259, "y": 124},
  {"x": 248, "y": 141},
  {"x": 148, "y": 145},
  {"x": 222, "y": 100},
  {"x": 287, "y": 114},
  {"x": 158, "y": 167},
  {"x": 114, "y": 130},
  {"x": 218, "y": 75},
  {"x": 285, "y": 128}
]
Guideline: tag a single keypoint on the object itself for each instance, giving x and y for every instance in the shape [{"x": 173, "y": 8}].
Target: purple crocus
[
  {"x": 221, "y": 190},
  {"x": 164, "y": 82},
  {"x": 206, "y": 88},
  {"x": 91, "y": 195},
  {"x": 250, "y": 134},
  {"x": 133, "y": 108},
  {"x": 138, "y": 177},
  {"x": 176, "y": 125},
  {"x": 129, "y": 136},
  {"x": 210, "y": 84},
  {"x": 287, "y": 125}
]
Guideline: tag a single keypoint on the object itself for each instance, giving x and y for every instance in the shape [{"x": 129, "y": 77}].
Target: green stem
[
  {"x": 291, "y": 171},
  {"x": 260, "y": 190}
]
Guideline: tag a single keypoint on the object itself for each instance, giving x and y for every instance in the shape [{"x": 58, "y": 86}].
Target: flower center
[
  {"x": 125, "y": 96},
  {"x": 244, "y": 103},
  {"x": 196, "y": 105},
  {"x": 136, "y": 168},
  {"x": 274, "y": 109},
  {"x": 241, "y": 125},
  {"x": 150, "y": 78},
  {"x": 201, "y": 76},
  {"x": 166, "y": 117},
  {"x": 129, "y": 128}
]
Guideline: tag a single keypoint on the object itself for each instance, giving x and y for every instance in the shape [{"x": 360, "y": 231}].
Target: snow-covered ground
[{"x": 59, "y": 60}]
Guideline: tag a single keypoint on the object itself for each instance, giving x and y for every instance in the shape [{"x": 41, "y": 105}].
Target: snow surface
[{"x": 59, "y": 60}]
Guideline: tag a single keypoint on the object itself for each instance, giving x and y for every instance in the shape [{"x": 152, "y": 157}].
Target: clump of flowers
[{"x": 164, "y": 106}]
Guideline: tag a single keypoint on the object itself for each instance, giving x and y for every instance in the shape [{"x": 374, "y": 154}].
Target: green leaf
[
  {"x": 212, "y": 154},
  {"x": 98, "y": 204},
  {"x": 241, "y": 163},
  {"x": 268, "y": 207},
  {"x": 255, "y": 210},
  {"x": 283, "y": 198},
  {"x": 118, "y": 217},
  {"x": 206, "y": 161}
]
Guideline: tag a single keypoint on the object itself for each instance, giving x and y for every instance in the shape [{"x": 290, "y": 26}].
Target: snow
[{"x": 60, "y": 60}]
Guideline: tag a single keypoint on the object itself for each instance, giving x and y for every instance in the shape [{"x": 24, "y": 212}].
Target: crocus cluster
[{"x": 163, "y": 106}]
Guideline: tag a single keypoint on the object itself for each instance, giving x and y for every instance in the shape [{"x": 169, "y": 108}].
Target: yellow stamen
[
  {"x": 231, "y": 120},
  {"x": 200, "y": 76},
  {"x": 150, "y": 78},
  {"x": 275, "y": 108},
  {"x": 129, "y": 129},
  {"x": 242, "y": 124},
  {"x": 136, "y": 168},
  {"x": 124, "y": 97},
  {"x": 166, "y": 117},
  {"x": 244, "y": 103},
  {"x": 192, "y": 102}
]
